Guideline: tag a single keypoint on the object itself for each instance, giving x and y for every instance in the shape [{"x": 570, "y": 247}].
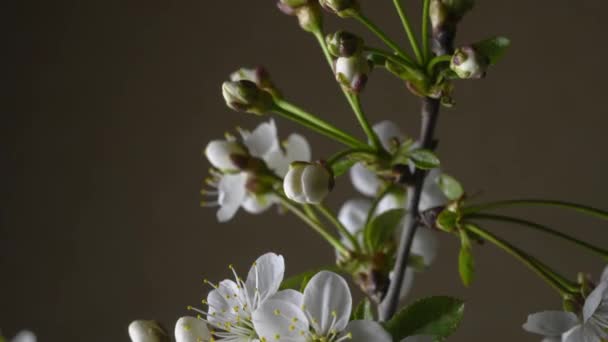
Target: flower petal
[
  {"x": 327, "y": 300},
  {"x": 432, "y": 196},
  {"x": 297, "y": 148},
  {"x": 386, "y": 131},
  {"x": 389, "y": 202},
  {"x": 221, "y": 302},
  {"x": 353, "y": 214},
  {"x": 24, "y": 336},
  {"x": 364, "y": 180},
  {"x": 262, "y": 140},
  {"x": 366, "y": 331},
  {"x": 191, "y": 329},
  {"x": 550, "y": 323},
  {"x": 231, "y": 195},
  {"x": 425, "y": 244},
  {"x": 577, "y": 334},
  {"x": 594, "y": 300},
  {"x": 257, "y": 204},
  {"x": 147, "y": 331},
  {"x": 265, "y": 277},
  {"x": 605, "y": 274},
  {"x": 292, "y": 296},
  {"x": 277, "y": 320}
]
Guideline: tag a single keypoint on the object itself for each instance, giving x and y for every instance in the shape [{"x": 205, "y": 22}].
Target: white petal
[
  {"x": 418, "y": 338},
  {"x": 353, "y": 214},
  {"x": 191, "y": 329},
  {"x": 550, "y": 323},
  {"x": 432, "y": 196},
  {"x": 277, "y": 162},
  {"x": 265, "y": 277},
  {"x": 24, "y": 336},
  {"x": 578, "y": 334},
  {"x": 364, "y": 180},
  {"x": 257, "y": 204},
  {"x": 387, "y": 130},
  {"x": 366, "y": 331},
  {"x": 218, "y": 153},
  {"x": 278, "y": 320},
  {"x": 605, "y": 274},
  {"x": 297, "y": 148},
  {"x": 292, "y": 296},
  {"x": 315, "y": 183},
  {"x": 221, "y": 301},
  {"x": 327, "y": 300},
  {"x": 292, "y": 184},
  {"x": 232, "y": 193},
  {"x": 595, "y": 298},
  {"x": 425, "y": 244},
  {"x": 262, "y": 140},
  {"x": 147, "y": 331},
  {"x": 389, "y": 202}
]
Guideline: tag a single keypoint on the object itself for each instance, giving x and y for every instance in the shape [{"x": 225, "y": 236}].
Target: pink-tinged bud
[
  {"x": 246, "y": 96},
  {"x": 352, "y": 72},
  {"x": 258, "y": 75},
  {"x": 344, "y": 44},
  {"x": 468, "y": 63},
  {"x": 308, "y": 13},
  {"x": 342, "y": 8}
]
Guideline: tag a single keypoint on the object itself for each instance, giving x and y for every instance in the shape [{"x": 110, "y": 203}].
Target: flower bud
[
  {"x": 342, "y": 8},
  {"x": 226, "y": 155},
  {"x": 468, "y": 63},
  {"x": 258, "y": 75},
  {"x": 307, "y": 11},
  {"x": 246, "y": 96},
  {"x": 147, "y": 331},
  {"x": 344, "y": 44},
  {"x": 191, "y": 329},
  {"x": 308, "y": 182},
  {"x": 352, "y": 72},
  {"x": 448, "y": 12}
]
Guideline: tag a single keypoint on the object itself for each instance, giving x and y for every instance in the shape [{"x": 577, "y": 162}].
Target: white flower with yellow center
[
  {"x": 322, "y": 313},
  {"x": 232, "y": 303},
  {"x": 229, "y": 183}
]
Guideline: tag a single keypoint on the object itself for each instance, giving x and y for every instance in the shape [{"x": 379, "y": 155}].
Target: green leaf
[
  {"x": 342, "y": 166},
  {"x": 447, "y": 220},
  {"x": 381, "y": 228},
  {"x": 451, "y": 188},
  {"x": 493, "y": 48},
  {"x": 466, "y": 265},
  {"x": 363, "y": 311},
  {"x": 299, "y": 281},
  {"x": 424, "y": 159},
  {"x": 435, "y": 316}
]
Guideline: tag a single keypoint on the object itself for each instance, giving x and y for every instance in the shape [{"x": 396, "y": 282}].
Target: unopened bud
[
  {"x": 344, "y": 44},
  {"x": 147, "y": 331},
  {"x": 246, "y": 96},
  {"x": 308, "y": 182},
  {"x": 352, "y": 72},
  {"x": 191, "y": 329},
  {"x": 342, "y": 8},
  {"x": 308, "y": 13},
  {"x": 468, "y": 63},
  {"x": 226, "y": 155},
  {"x": 258, "y": 75},
  {"x": 448, "y": 12}
]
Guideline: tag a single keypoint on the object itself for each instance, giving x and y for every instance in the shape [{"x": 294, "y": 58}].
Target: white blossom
[
  {"x": 221, "y": 153},
  {"x": 590, "y": 325},
  {"x": 230, "y": 188},
  {"x": 321, "y": 313}
]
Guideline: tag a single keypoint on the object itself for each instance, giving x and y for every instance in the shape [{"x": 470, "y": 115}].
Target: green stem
[
  {"x": 393, "y": 58},
  {"x": 300, "y": 116},
  {"x": 439, "y": 59},
  {"x": 601, "y": 252},
  {"x": 408, "y": 30},
  {"x": 316, "y": 226},
  {"x": 567, "y": 284},
  {"x": 347, "y": 153},
  {"x": 326, "y": 53},
  {"x": 367, "y": 128},
  {"x": 341, "y": 228},
  {"x": 540, "y": 202},
  {"x": 380, "y": 34},
  {"x": 519, "y": 255},
  {"x": 426, "y": 49}
]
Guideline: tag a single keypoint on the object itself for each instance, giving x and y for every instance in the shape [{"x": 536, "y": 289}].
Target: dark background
[{"x": 107, "y": 106}]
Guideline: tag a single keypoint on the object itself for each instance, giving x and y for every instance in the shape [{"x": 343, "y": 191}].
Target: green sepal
[
  {"x": 435, "y": 316},
  {"x": 364, "y": 310},
  {"x": 451, "y": 188},
  {"x": 424, "y": 159},
  {"x": 448, "y": 220}
]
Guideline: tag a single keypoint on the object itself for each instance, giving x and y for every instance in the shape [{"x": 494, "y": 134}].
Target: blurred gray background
[{"x": 107, "y": 106}]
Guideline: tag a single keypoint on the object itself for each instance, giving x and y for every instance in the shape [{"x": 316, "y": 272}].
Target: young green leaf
[
  {"x": 342, "y": 166},
  {"x": 492, "y": 48},
  {"x": 381, "y": 228},
  {"x": 466, "y": 265},
  {"x": 424, "y": 159},
  {"x": 363, "y": 311},
  {"x": 435, "y": 316},
  {"x": 451, "y": 188}
]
